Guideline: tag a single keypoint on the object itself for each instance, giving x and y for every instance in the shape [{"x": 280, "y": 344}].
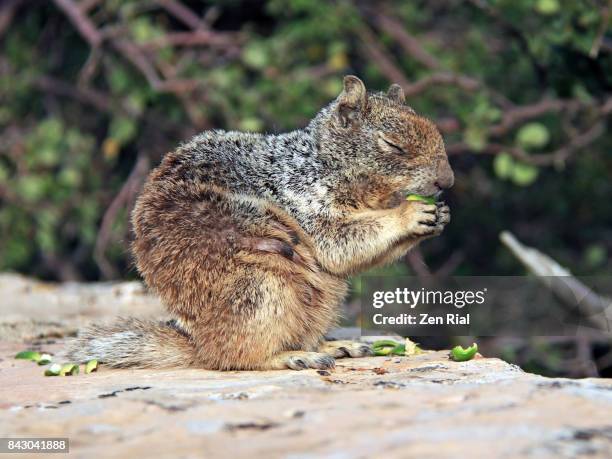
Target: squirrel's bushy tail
[{"x": 134, "y": 343}]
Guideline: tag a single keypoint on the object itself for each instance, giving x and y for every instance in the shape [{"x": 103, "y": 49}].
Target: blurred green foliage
[{"x": 73, "y": 122}]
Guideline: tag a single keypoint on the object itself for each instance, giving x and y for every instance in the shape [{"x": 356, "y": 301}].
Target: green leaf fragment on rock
[
  {"x": 53, "y": 370},
  {"x": 459, "y": 354},
  {"x": 382, "y": 351},
  {"x": 411, "y": 348},
  {"x": 69, "y": 369},
  {"x": 384, "y": 343},
  {"x": 388, "y": 347},
  {"x": 28, "y": 355},
  {"x": 91, "y": 366},
  {"x": 45, "y": 359}
]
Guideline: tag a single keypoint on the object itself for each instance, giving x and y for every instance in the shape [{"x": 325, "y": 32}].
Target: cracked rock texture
[{"x": 422, "y": 406}]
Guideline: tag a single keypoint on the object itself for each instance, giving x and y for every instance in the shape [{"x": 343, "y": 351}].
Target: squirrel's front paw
[
  {"x": 426, "y": 220},
  {"x": 442, "y": 214}
]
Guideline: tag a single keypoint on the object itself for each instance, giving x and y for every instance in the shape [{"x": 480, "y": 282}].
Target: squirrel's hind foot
[
  {"x": 344, "y": 348},
  {"x": 299, "y": 360}
]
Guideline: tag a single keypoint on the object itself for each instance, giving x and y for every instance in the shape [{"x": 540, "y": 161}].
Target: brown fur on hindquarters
[
  {"x": 268, "y": 278},
  {"x": 249, "y": 239}
]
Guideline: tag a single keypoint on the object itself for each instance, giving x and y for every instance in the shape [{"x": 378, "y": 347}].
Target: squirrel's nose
[{"x": 445, "y": 177}]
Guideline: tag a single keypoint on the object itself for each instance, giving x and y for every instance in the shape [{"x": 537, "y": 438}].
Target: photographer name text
[{"x": 421, "y": 319}]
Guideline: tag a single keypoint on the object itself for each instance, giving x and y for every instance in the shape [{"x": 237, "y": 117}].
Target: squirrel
[{"x": 249, "y": 239}]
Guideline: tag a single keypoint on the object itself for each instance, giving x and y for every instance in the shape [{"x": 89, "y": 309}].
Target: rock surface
[
  {"x": 423, "y": 406},
  {"x": 33, "y": 309}
]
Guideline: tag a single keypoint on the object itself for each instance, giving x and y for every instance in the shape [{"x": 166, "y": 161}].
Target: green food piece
[
  {"x": 53, "y": 370},
  {"x": 92, "y": 365},
  {"x": 387, "y": 347},
  {"x": 418, "y": 197},
  {"x": 411, "y": 348},
  {"x": 381, "y": 351},
  {"x": 384, "y": 343},
  {"x": 458, "y": 354},
  {"x": 69, "y": 369},
  {"x": 400, "y": 349},
  {"x": 28, "y": 355},
  {"x": 45, "y": 359}
]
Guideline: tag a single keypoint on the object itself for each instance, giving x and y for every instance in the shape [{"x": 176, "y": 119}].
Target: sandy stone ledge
[{"x": 424, "y": 406}]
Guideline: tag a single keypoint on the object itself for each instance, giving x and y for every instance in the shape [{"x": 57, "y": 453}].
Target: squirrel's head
[{"x": 383, "y": 145}]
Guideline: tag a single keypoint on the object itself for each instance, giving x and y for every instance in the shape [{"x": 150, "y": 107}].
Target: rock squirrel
[{"x": 249, "y": 239}]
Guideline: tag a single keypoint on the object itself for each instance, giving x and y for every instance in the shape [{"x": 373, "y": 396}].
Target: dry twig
[
  {"x": 85, "y": 27},
  {"x": 123, "y": 199},
  {"x": 572, "y": 292}
]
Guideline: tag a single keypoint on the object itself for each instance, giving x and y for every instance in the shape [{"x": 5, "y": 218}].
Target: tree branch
[
  {"x": 411, "y": 45},
  {"x": 121, "y": 200},
  {"x": 560, "y": 281},
  {"x": 196, "y": 38},
  {"x": 559, "y": 156},
  {"x": 373, "y": 50},
  {"x": 520, "y": 114},
  {"x": 511, "y": 30},
  {"x": 132, "y": 53},
  {"x": 85, "y": 27},
  {"x": 182, "y": 13},
  {"x": 603, "y": 26},
  {"x": 461, "y": 81}
]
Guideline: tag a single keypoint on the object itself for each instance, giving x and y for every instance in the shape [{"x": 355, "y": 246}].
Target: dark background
[{"x": 93, "y": 93}]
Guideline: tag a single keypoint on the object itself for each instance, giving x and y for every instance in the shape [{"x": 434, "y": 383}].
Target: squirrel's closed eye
[{"x": 390, "y": 143}]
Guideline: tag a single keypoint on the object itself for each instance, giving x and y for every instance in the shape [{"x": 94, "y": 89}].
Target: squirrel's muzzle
[{"x": 444, "y": 175}]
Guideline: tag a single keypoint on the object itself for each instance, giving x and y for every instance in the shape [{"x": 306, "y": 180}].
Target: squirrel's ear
[
  {"x": 351, "y": 100},
  {"x": 396, "y": 93}
]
